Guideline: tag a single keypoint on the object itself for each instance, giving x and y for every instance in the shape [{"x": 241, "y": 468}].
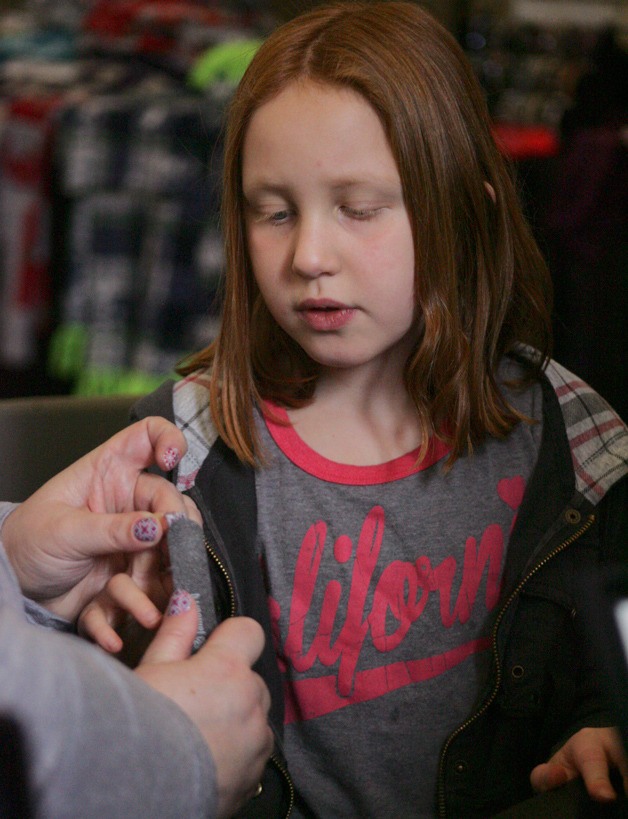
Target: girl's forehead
[
  {"x": 320, "y": 129},
  {"x": 304, "y": 92},
  {"x": 309, "y": 110}
]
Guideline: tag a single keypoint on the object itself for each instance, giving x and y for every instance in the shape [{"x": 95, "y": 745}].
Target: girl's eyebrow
[
  {"x": 379, "y": 185},
  {"x": 350, "y": 184},
  {"x": 264, "y": 187}
]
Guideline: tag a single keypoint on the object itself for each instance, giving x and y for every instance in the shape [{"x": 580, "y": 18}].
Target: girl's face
[{"x": 327, "y": 230}]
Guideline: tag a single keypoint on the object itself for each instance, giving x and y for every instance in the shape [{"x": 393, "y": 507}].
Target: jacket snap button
[
  {"x": 517, "y": 672},
  {"x": 572, "y": 516},
  {"x": 460, "y": 767}
]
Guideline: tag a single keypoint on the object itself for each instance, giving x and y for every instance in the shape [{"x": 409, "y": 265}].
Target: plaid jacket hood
[{"x": 598, "y": 438}]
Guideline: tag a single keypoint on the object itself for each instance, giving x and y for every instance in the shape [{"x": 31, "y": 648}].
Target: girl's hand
[{"x": 590, "y": 753}]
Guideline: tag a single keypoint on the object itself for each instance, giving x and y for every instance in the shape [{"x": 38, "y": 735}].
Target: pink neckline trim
[{"x": 303, "y": 456}]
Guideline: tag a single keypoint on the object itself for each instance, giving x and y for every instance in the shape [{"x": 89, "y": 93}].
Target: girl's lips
[{"x": 325, "y": 315}]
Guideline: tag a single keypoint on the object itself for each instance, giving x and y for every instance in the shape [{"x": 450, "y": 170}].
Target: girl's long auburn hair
[{"x": 481, "y": 285}]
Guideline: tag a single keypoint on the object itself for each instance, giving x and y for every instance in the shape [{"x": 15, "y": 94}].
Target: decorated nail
[
  {"x": 171, "y": 458},
  {"x": 145, "y": 530},
  {"x": 180, "y": 602}
]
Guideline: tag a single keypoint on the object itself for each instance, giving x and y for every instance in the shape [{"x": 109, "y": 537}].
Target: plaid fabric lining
[
  {"x": 191, "y": 414},
  {"x": 598, "y": 438}
]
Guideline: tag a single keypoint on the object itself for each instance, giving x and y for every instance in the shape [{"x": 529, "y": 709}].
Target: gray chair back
[{"x": 40, "y": 436}]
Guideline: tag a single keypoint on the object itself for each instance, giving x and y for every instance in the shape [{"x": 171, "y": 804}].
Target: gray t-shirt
[{"x": 383, "y": 583}]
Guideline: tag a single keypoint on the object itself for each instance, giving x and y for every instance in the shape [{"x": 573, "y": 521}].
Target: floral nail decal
[
  {"x": 171, "y": 458},
  {"x": 145, "y": 530},
  {"x": 180, "y": 602}
]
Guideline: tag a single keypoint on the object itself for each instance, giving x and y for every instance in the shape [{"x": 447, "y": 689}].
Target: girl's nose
[{"x": 315, "y": 253}]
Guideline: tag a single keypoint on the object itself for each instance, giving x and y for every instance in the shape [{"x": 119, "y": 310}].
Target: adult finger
[
  {"x": 157, "y": 495},
  {"x": 93, "y": 623},
  {"x": 123, "y": 456},
  {"x": 192, "y": 510},
  {"x": 241, "y": 636},
  {"x": 175, "y": 636},
  {"x": 149, "y": 441},
  {"x": 130, "y": 596},
  {"x": 167, "y": 442},
  {"x": 90, "y": 534}
]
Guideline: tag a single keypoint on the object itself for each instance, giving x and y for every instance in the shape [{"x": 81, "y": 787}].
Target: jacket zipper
[
  {"x": 442, "y": 810},
  {"x": 223, "y": 571},
  {"x": 283, "y": 771},
  {"x": 232, "y": 612}
]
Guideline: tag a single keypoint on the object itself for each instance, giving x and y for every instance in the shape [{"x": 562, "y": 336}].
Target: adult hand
[
  {"x": 131, "y": 602},
  {"x": 74, "y": 533},
  {"x": 217, "y": 689},
  {"x": 590, "y": 753}
]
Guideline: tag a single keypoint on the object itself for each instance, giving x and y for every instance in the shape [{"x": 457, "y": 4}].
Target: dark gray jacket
[{"x": 543, "y": 686}]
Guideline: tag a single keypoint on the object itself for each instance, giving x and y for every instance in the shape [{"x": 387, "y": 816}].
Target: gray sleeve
[
  {"x": 99, "y": 742},
  {"x": 9, "y": 589},
  {"x": 5, "y": 509}
]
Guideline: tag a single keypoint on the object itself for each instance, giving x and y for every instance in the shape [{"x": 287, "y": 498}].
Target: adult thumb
[
  {"x": 239, "y": 636},
  {"x": 175, "y": 637}
]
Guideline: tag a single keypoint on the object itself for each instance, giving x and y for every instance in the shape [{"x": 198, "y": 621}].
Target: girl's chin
[{"x": 344, "y": 363}]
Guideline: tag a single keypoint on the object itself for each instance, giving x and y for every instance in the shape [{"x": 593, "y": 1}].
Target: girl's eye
[
  {"x": 265, "y": 214},
  {"x": 278, "y": 217},
  {"x": 361, "y": 214}
]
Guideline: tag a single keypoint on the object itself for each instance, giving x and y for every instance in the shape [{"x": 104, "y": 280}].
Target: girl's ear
[{"x": 491, "y": 192}]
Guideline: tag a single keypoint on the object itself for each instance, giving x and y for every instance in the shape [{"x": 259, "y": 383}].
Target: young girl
[{"x": 394, "y": 479}]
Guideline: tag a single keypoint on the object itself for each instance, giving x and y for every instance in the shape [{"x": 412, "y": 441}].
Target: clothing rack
[{"x": 110, "y": 159}]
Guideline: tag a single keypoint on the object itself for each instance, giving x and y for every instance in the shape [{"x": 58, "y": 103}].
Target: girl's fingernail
[
  {"x": 171, "y": 458},
  {"x": 145, "y": 530},
  {"x": 172, "y": 516},
  {"x": 180, "y": 602}
]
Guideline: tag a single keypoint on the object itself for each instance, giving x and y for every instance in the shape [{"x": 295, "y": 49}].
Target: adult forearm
[{"x": 99, "y": 742}]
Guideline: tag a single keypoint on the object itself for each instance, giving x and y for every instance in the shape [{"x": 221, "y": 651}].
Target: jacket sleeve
[
  {"x": 613, "y": 514},
  {"x": 99, "y": 742},
  {"x": 595, "y": 702}
]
